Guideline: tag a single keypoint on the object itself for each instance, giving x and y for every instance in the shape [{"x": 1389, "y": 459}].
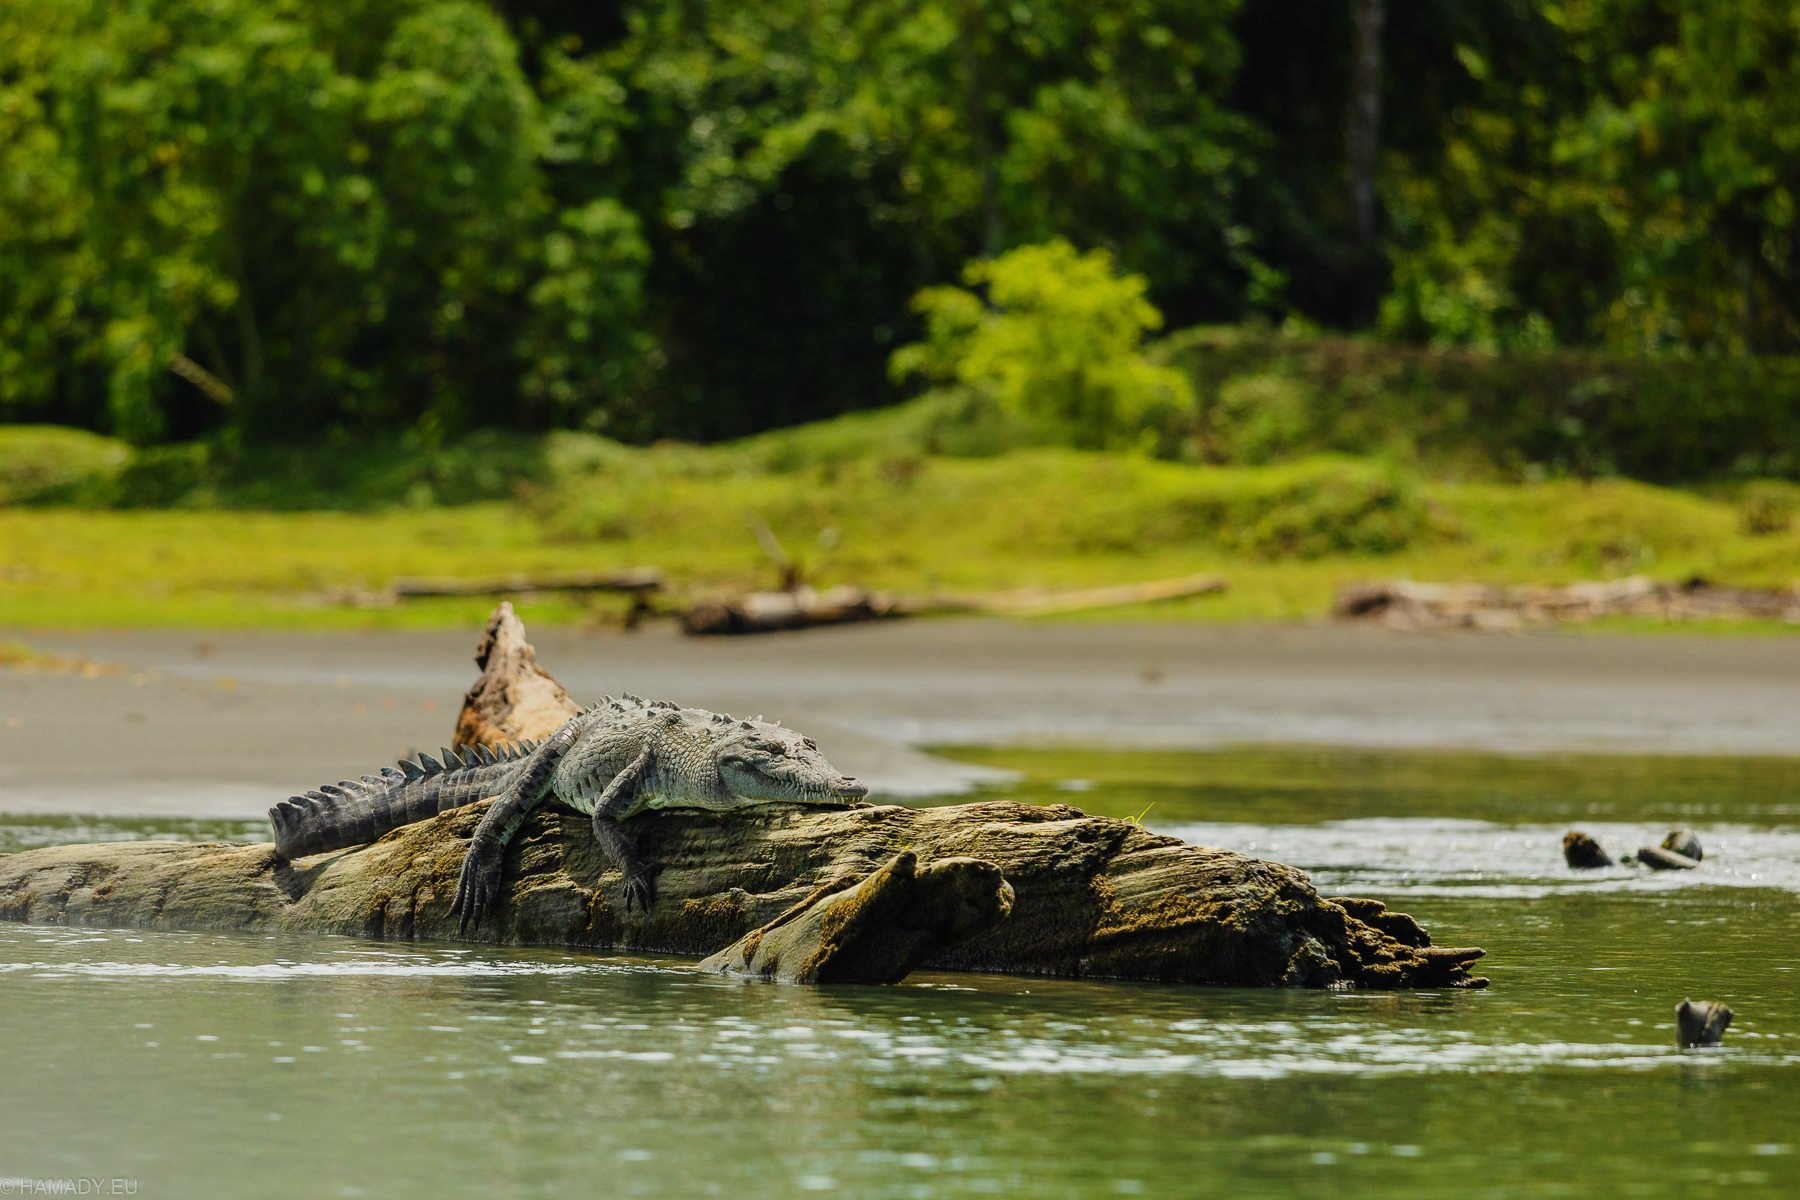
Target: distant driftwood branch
[
  {"x": 801, "y": 607},
  {"x": 796, "y": 607},
  {"x": 634, "y": 579},
  {"x": 1409, "y": 606},
  {"x": 638, "y": 582},
  {"x": 1089, "y": 896},
  {"x": 215, "y": 388}
]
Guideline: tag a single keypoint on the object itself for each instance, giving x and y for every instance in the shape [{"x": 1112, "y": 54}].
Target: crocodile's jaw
[
  {"x": 749, "y": 785},
  {"x": 771, "y": 765}
]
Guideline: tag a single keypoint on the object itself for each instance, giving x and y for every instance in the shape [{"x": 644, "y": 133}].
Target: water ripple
[{"x": 1428, "y": 856}]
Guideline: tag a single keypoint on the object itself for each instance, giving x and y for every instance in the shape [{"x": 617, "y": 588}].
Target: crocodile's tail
[{"x": 352, "y": 813}]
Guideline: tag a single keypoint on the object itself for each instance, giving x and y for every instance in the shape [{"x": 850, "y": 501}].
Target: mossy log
[
  {"x": 1092, "y": 896},
  {"x": 872, "y": 930}
]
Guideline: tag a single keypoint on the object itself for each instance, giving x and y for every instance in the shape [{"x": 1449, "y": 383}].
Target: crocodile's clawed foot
[
  {"x": 478, "y": 887},
  {"x": 640, "y": 889}
]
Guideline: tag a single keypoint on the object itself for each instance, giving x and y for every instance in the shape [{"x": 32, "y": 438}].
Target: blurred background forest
[
  {"x": 699, "y": 220},
  {"x": 266, "y": 254}
]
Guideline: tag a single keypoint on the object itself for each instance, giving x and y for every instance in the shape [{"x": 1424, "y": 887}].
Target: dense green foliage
[
  {"x": 341, "y": 210},
  {"x": 256, "y": 220},
  {"x": 1467, "y": 412}
]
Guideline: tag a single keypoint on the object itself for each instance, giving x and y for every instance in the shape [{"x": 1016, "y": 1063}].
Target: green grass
[{"x": 1286, "y": 537}]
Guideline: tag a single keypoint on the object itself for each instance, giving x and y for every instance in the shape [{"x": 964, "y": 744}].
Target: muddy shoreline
[{"x": 223, "y": 724}]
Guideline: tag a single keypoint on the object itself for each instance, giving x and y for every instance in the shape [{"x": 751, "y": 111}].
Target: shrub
[
  {"x": 162, "y": 476},
  {"x": 1303, "y": 509},
  {"x": 1513, "y": 416},
  {"x": 1057, "y": 341},
  {"x": 1768, "y": 506},
  {"x": 47, "y": 464}
]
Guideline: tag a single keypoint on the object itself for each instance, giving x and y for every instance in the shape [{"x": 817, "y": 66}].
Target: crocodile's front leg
[
  {"x": 478, "y": 885},
  {"x": 640, "y": 886}
]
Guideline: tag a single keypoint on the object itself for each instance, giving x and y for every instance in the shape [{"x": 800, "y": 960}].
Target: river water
[{"x": 199, "y": 1065}]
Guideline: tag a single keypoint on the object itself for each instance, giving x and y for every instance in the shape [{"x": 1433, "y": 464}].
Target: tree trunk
[
  {"x": 993, "y": 233},
  {"x": 1362, "y": 123}
]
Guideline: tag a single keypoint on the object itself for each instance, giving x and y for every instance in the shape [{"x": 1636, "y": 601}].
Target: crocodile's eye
[{"x": 810, "y": 744}]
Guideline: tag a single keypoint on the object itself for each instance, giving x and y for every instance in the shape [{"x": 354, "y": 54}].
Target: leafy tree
[
  {"x": 805, "y": 168},
  {"x": 1057, "y": 342},
  {"x": 338, "y": 213},
  {"x": 1630, "y": 183}
]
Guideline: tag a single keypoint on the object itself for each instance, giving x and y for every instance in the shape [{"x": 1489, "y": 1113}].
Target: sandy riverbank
[{"x": 224, "y": 724}]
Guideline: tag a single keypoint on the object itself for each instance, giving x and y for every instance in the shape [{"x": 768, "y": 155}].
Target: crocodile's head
[{"x": 760, "y": 762}]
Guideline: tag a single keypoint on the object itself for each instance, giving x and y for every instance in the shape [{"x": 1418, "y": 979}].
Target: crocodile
[{"x": 613, "y": 760}]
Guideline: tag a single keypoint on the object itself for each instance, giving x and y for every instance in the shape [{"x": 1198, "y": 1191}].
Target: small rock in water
[
  {"x": 1658, "y": 859},
  {"x": 1701, "y": 1023},
  {"x": 1582, "y": 851},
  {"x": 1683, "y": 842}
]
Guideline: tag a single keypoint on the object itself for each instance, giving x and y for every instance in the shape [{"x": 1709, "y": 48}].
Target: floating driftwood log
[
  {"x": 800, "y": 607},
  {"x": 1091, "y": 896},
  {"x": 1583, "y": 853},
  {"x": 1701, "y": 1022},
  {"x": 1684, "y": 842},
  {"x": 1680, "y": 851},
  {"x": 1659, "y": 859},
  {"x": 1417, "y": 607}
]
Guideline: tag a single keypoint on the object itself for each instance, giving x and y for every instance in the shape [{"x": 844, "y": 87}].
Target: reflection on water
[
  {"x": 27, "y": 832},
  {"x": 1420, "y": 856},
  {"x": 243, "y": 1065}
]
